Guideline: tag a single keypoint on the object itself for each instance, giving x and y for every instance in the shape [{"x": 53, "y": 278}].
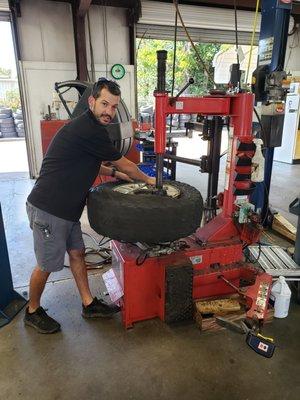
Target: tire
[
  {"x": 4, "y": 116},
  {"x": 10, "y": 128},
  {"x": 144, "y": 218},
  {"x": 6, "y": 111},
  {"x": 7, "y": 122}
]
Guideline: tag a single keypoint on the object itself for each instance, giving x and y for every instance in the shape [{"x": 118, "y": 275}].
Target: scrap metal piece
[
  {"x": 275, "y": 261},
  {"x": 233, "y": 326}
]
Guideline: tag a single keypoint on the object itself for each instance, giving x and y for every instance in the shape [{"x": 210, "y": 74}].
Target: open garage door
[
  {"x": 205, "y": 24},
  {"x": 3, "y": 6}
]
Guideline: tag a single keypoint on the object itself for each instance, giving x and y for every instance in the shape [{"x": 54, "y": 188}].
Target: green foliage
[
  {"x": 5, "y": 73},
  {"x": 11, "y": 100},
  {"x": 186, "y": 66}
]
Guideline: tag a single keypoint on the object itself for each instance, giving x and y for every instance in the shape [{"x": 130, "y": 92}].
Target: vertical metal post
[
  {"x": 214, "y": 156},
  {"x": 269, "y": 156},
  {"x": 241, "y": 120},
  {"x": 80, "y": 43},
  {"x": 160, "y": 118}
]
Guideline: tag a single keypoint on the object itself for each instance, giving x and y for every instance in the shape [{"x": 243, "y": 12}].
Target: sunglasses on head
[{"x": 102, "y": 80}]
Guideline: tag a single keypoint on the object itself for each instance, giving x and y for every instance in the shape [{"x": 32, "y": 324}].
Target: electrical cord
[
  {"x": 236, "y": 33},
  {"x": 140, "y": 42},
  {"x": 248, "y": 256},
  {"x": 237, "y": 44},
  {"x": 267, "y": 207},
  {"x": 209, "y": 75},
  {"x": 141, "y": 258},
  {"x": 103, "y": 252},
  {"x": 252, "y": 39}
]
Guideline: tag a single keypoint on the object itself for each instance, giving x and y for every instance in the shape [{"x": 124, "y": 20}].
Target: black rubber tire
[{"x": 144, "y": 218}]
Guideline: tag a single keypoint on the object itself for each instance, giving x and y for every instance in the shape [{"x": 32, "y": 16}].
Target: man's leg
[
  {"x": 78, "y": 268},
  {"x": 35, "y": 315},
  {"x": 37, "y": 285},
  {"x": 46, "y": 250},
  {"x": 91, "y": 308}
]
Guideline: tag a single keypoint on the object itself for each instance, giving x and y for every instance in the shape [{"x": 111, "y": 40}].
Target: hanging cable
[
  {"x": 209, "y": 75},
  {"x": 252, "y": 39},
  {"x": 236, "y": 33},
  {"x": 104, "y": 253},
  {"x": 140, "y": 42},
  {"x": 237, "y": 45}
]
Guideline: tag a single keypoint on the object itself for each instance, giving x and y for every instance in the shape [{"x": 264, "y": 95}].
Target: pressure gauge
[{"x": 117, "y": 71}]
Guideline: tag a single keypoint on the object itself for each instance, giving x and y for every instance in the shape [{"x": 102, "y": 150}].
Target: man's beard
[
  {"x": 106, "y": 116},
  {"x": 98, "y": 117}
]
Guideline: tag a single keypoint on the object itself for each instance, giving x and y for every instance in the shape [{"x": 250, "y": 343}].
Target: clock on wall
[{"x": 117, "y": 71}]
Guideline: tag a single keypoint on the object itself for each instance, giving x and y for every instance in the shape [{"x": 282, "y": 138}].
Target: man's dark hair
[{"x": 111, "y": 86}]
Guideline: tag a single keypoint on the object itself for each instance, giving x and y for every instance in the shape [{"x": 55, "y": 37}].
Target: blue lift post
[
  {"x": 11, "y": 302},
  {"x": 275, "y": 17}
]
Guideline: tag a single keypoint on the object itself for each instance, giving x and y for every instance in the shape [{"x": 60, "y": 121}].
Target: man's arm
[
  {"x": 109, "y": 171},
  {"x": 129, "y": 168}
]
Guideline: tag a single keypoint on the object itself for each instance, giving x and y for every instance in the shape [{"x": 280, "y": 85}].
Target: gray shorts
[{"x": 52, "y": 237}]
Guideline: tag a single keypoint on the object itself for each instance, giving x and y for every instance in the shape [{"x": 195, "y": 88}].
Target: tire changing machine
[{"x": 211, "y": 263}]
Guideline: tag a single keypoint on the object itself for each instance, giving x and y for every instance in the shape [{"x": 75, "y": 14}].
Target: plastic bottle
[
  {"x": 258, "y": 163},
  {"x": 281, "y": 295}
]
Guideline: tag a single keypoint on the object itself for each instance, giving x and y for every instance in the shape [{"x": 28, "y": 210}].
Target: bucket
[{"x": 281, "y": 295}]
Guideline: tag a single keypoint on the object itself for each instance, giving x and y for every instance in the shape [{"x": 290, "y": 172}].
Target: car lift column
[{"x": 11, "y": 302}]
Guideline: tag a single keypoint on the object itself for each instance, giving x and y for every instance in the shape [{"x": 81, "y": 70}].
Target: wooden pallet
[
  {"x": 284, "y": 227},
  {"x": 207, "y": 321}
]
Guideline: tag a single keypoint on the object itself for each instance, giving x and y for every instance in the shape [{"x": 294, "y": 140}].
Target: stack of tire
[
  {"x": 19, "y": 123},
  {"x": 7, "y": 125}
]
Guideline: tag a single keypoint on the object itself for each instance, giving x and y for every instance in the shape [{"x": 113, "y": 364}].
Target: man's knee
[
  {"x": 38, "y": 271},
  {"x": 76, "y": 255}
]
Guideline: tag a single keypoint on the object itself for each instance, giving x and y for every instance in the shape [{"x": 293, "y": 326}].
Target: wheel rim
[{"x": 143, "y": 188}]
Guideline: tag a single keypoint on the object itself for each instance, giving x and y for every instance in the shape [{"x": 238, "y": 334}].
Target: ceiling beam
[{"x": 83, "y": 7}]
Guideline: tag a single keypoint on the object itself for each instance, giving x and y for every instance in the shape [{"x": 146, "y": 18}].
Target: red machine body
[
  {"x": 216, "y": 250},
  {"x": 144, "y": 286}
]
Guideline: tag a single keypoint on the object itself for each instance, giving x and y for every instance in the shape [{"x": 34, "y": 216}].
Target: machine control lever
[{"x": 173, "y": 99}]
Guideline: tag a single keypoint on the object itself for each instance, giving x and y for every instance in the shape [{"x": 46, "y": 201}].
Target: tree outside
[
  {"x": 11, "y": 100},
  {"x": 5, "y": 73},
  {"x": 186, "y": 66}
]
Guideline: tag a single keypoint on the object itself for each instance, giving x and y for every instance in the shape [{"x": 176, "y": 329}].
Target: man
[{"x": 56, "y": 202}]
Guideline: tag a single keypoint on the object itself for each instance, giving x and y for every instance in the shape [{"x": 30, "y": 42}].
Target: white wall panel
[
  {"x": 292, "y": 55},
  {"x": 38, "y": 80},
  {"x": 46, "y": 31},
  {"x": 117, "y": 34}
]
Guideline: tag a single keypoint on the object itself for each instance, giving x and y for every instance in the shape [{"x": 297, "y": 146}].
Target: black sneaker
[
  {"x": 98, "y": 308},
  {"x": 41, "y": 321}
]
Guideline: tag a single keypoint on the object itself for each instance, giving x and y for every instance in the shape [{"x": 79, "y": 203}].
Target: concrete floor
[{"x": 100, "y": 360}]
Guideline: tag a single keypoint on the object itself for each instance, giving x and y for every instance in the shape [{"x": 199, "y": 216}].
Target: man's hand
[
  {"x": 123, "y": 177},
  {"x": 151, "y": 181},
  {"x": 131, "y": 170}
]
